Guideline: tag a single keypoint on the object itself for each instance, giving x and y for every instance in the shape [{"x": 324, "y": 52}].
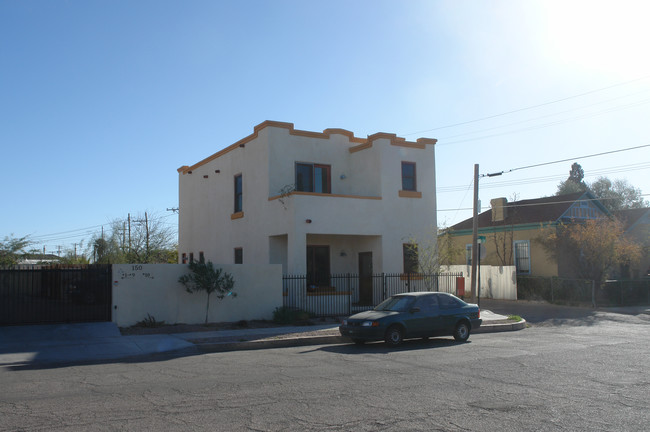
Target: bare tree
[{"x": 142, "y": 238}]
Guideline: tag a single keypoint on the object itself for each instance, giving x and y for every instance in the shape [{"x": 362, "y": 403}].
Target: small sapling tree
[{"x": 205, "y": 277}]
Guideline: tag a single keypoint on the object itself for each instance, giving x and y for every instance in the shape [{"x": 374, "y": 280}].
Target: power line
[
  {"x": 557, "y": 113},
  {"x": 541, "y": 126},
  {"x": 565, "y": 160},
  {"x": 555, "y": 177},
  {"x": 529, "y": 107}
]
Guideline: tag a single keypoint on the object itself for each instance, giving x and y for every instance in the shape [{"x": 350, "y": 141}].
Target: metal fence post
[
  {"x": 593, "y": 293},
  {"x": 349, "y": 295},
  {"x": 620, "y": 284},
  {"x": 552, "y": 299}
]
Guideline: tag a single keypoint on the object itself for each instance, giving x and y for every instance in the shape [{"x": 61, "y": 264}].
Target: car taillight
[{"x": 479, "y": 312}]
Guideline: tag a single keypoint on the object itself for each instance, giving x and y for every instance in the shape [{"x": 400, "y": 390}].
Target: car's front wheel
[
  {"x": 461, "y": 332},
  {"x": 394, "y": 336}
]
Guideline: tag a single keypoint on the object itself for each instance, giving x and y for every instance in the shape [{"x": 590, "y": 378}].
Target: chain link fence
[{"x": 584, "y": 292}]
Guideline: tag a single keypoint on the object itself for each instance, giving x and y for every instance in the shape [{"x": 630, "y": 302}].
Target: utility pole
[
  {"x": 123, "y": 236},
  {"x": 129, "y": 232},
  {"x": 146, "y": 227},
  {"x": 475, "y": 235}
]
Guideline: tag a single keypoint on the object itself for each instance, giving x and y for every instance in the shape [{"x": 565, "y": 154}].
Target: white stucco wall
[
  {"x": 497, "y": 282},
  {"x": 153, "y": 289},
  {"x": 364, "y": 201}
]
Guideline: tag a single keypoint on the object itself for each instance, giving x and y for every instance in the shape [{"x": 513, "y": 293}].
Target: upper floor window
[
  {"x": 408, "y": 176},
  {"x": 313, "y": 178},
  {"x": 238, "y": 193}
]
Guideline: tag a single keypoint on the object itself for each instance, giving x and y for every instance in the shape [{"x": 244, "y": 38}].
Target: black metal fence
[
  {"x": 349, "y": 293},
  {"x": 584, "y": 292},
  {"x": 55, "y": 294}
]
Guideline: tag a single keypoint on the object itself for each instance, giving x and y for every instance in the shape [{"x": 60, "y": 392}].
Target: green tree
[
  {"x": 574, "y": 183},
  {"x": 593, "y": 248},
  {"x": 205, "y": 277},
  {"x": 617, "y": 195},
  {"x": 12, "y": 249}
]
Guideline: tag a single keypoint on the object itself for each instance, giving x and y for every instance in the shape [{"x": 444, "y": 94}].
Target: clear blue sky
[{"x": 101, "y": 101}]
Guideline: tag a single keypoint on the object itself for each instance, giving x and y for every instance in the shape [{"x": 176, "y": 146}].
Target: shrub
[{"x": 287, "y": 315}]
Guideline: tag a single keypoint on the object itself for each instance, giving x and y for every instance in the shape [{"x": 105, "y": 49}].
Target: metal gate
[{"x": 55, "y": 294}]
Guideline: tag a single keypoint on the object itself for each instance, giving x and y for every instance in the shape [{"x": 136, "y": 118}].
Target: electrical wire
[
  {"x": 555, "y": 114},
  {"x": 549, "y": 178},
  {"x": 530, "y": 107},
  {"x": 441, "y": 141}
]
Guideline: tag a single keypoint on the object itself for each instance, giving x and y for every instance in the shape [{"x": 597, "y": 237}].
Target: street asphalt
[{"x": 69, "y": 344}]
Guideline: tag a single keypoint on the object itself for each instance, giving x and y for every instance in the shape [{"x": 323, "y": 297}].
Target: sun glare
[{"x": 607, "y": 36}]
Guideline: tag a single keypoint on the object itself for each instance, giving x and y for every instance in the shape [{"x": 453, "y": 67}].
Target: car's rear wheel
[
  {"x": 394, "y": 336},
  {"x": 461, "y": 332},
  {"x": 358, "y": 341}
]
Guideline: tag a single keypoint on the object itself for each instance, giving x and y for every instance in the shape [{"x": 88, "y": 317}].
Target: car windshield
[{"x": 397, "y": 304}]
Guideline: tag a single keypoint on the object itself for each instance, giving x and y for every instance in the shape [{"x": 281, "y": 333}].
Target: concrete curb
[
  {"x": 225, "y": 346},
  {"x": 496, "y": 328},
  {"x": 270, "y": 343}
]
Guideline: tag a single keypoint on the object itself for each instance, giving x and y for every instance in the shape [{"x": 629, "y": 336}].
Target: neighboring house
[
  {"x": 636, "y": 223},
  {"x": 510, "y": 230},
  {"x": 317, "y": 203}
]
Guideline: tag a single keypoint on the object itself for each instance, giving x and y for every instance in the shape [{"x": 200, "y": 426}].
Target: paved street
[{"x": 590, "y": 375}]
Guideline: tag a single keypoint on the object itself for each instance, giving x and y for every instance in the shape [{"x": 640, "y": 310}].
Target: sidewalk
[{"x": 69, "y": 344}]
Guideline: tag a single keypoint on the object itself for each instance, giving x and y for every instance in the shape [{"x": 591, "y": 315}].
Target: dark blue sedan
[{"x": 413, "y": 315}]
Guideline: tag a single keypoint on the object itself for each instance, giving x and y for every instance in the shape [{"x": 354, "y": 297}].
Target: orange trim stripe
[
  {"x": 410, "y": 194},
  {"x": 325, "y": 195},
  {"x": 364, "y": 143}
]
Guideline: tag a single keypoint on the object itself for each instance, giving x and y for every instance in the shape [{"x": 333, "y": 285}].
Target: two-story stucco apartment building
[{"x": 317, "y": 203}]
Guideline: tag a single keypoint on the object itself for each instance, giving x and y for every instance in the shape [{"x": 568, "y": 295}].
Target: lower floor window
[
  {"x": 318, "y": 266},
  {"x": 410, "y": 257},
  {"x": 239, "y": 256},
  {"x": 522, "y": 256}
]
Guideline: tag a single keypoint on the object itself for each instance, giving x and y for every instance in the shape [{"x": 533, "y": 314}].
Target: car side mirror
[{"x": 415, "y": 309}]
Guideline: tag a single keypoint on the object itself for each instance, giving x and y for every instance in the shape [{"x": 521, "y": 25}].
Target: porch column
[{"x": 297, "y": 253}]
